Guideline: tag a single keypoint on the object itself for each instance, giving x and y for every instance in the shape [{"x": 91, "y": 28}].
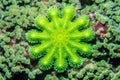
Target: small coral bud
[
  {"x": 69, "y": 12},
  {"x": 34, "y": 53},
  {"x": 31, "y": 36},
  {"x": 86, "y": 50},
  {"x": 41, "y": 21},
  {"x": 53, "y": 13},
  {"x": 88, "y": 35},
  {"x": 60, "y": 65},
  {"x": 75, "y": 61},
  {"x": 82, "y": 21},
  {"x": 45, "y": 64}
]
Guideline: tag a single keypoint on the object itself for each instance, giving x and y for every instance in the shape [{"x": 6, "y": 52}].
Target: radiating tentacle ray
[
  {"x": 41, "y": 22},
  {"x": 60, "y": 63},
  {"x": 53, "y": 14},
  {"x": 74, "y": 59},
  {"x": 85, "y": 35},
  {"x": 68, "y": 14},
  {"x": 81, "y": 22},
  {"x": 35, "y": 36},
  {"x": 36, "y": 50},
  {"x": 84, "y": 48},
  {"x": 46, "y": 62}
]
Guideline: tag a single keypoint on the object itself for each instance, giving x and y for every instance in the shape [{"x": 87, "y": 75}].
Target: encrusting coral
[
  {"x": 17, "y": 18},
  {"x": 60, "y": 38}
]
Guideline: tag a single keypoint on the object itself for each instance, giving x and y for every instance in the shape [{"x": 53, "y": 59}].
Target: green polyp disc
[{"x": 60, "y": 39}]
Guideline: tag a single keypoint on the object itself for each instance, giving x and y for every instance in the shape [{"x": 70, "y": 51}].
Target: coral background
[{"x": 17, "y": 17}]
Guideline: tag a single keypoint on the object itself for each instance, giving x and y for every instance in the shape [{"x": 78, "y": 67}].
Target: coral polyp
[{"x": 60, "y": 38}]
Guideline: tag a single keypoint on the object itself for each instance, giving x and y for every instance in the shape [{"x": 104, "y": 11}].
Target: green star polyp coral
[{"x": 59, "y": 39}]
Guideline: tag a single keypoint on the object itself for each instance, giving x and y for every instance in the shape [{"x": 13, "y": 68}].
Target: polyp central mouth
[{"x": 60, "y": 37}]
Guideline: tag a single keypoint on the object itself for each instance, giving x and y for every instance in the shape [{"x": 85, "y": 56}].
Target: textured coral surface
[
  {"x": 60, "y": 38},
  {"x": 17, "y": 18}
]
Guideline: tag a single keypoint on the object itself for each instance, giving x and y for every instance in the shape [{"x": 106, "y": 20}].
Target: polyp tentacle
[
  {"x": 46, "y": 62},
  {"x": 74, "y": 59},
  {"x": 68, "y": 14},
  {"x": 60, "y": 63},
  {"x": 36, "y": 51},
  {"x": 81, "y": 22},
  {"x": 42, "y": 22},
  {"x": 53, "y": 14},
  {"x": 84, "y": 35},
  {"x": 35, "y": 36},
  {"x": 84, "y": 48}
]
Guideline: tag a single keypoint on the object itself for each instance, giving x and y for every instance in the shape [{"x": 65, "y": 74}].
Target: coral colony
[
  {"x": 60, "y": 38},
  {"x": 53, "y": 40}
]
